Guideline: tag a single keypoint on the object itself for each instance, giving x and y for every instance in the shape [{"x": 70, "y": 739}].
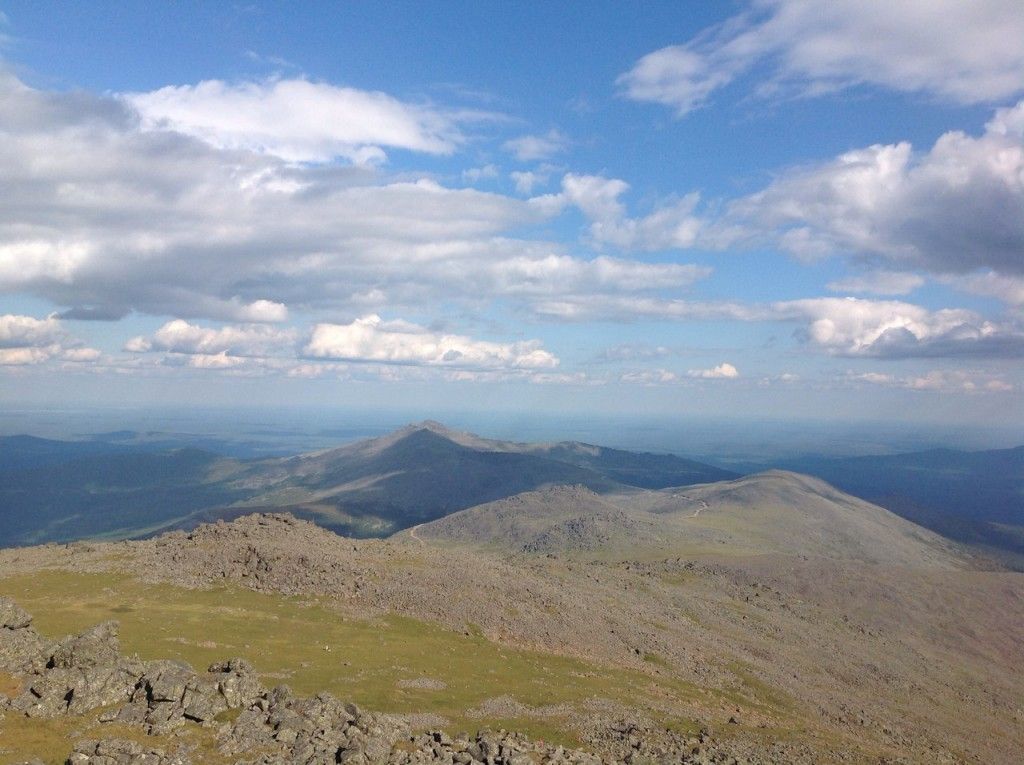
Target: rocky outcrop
[
  {"x": 169, "y": 694},
  {"x": 117, "y": 752},
  {"x": 80, "y": 673},
  {"x": 86, "y": 672},
  {"x": 21, "y": 647},
  {"x": 314, "y": 730}
]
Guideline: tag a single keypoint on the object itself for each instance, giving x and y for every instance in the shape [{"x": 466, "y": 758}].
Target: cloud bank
[{"x": 961, "y": 52}]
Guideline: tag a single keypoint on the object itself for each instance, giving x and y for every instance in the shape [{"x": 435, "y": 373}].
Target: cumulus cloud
[
  {"x": 962, "y": 52},
  {"x": 894, "y": 329},
  {"x": 370, "y": 338},
  {"x": 27, "y": 331},
  {"x": 530, "y": 148},
  {"x": 953, "y": 209},
  {"x": 837, "y": 326},
  {"x": 672, "y": 225},
  {"x": 180, "y": 336},
  {"x": 725, "y": 370},
  {"x": 104, "y": 218},
  {"x": 298, "y": 120},
  {"x": 27, "y": 340}
]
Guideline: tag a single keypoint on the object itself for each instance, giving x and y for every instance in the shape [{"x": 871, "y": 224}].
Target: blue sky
[{"x": 769, "y": 208}]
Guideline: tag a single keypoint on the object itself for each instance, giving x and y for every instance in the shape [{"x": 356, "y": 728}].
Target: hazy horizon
[{"x": 287, "y": 430}]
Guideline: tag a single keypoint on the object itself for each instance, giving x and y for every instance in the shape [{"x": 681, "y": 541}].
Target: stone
[{"x": 13, "y": 616}]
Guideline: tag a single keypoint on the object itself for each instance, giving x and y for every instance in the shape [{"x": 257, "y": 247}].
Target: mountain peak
[{"x": 432, "y": 425}]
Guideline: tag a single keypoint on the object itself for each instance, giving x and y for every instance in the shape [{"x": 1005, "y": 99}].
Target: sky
[{"x": 773, "y": 208}]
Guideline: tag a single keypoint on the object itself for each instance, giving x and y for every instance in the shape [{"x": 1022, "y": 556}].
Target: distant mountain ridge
[
  {"x": 372, "y": 487},
  {"x": 774, "y": 512}
]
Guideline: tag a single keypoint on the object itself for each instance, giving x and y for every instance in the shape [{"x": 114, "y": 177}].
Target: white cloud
[
  {"x": 649, "y": 377},
  {"x": 298, "y": 120},
  {"x": 953, "y": 209},
  {"x": 634, "y": 308},
  {"x": 180, "y": 336},
  {"x": 958, "y": 380},
  {"x": 837, "y": 326},
  {"x": 858, "y": 327},
  {"x": 397, "y": 342},
  {"x": 672, "y": 225},
  {"x": 103, "y": 219},
  {"x": 26, "y": 340},
  {"x": 17, "y": 357},
  {"x": 725, "y": 370},
  {"x": 1008, "y": 289},
  {"x": 214, "y": 361},
  {"x": 964, "y": 52},
  {"x": 529, "y": 148},
  {"x": 527, "y": 180},
  {"x": 477, "y": 174},
  {"x": 878, "y": 283},
  {"x": 26, "y": 331},
  {"x": 561, "y": 274},
  {"x": 81, "y": 355}
]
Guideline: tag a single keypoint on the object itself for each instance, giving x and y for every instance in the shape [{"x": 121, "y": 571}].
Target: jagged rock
[
  {"x": 97, "y": 646},
  {"x": 13, "y": 616},
  {"x": 118, "y": 752},
  {"x": 21, "y": 647},
  {"x": 315, "y": 730},
  {"x": 169, "y": 693},
  {"x": 237, "y": 682},
  {"x": 74, "y": 690}
]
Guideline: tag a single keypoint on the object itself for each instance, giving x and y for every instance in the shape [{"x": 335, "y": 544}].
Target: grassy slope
[{"x": 311, "y": 648}]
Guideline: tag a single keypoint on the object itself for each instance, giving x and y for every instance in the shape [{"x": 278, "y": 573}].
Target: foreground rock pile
[{"x": 256, "y": 726}]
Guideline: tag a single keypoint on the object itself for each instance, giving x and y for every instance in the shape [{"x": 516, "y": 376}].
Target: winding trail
[
  {"x": 701, "y": 504},
  {"x": 412, "y": 533}
]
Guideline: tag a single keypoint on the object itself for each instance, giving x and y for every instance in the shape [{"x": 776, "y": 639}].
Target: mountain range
[
  {"x": 368, "y": 488},
  {"x": 616, "y": 606},
  {"x": 112, "y": 488}
]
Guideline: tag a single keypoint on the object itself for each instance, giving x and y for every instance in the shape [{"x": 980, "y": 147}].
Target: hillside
[
  {"x": 973, "y": 497},
  {"x": 372, "y": 487},
  {"x": 758, "y": 658},
  {"x": 773, "y": 512}
]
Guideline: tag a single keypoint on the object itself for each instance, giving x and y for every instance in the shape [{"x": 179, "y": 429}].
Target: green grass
[{"x": 313, "y": 648}]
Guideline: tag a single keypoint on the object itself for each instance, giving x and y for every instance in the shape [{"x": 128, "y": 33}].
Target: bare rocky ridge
[{"x": 867, "y": 660}]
